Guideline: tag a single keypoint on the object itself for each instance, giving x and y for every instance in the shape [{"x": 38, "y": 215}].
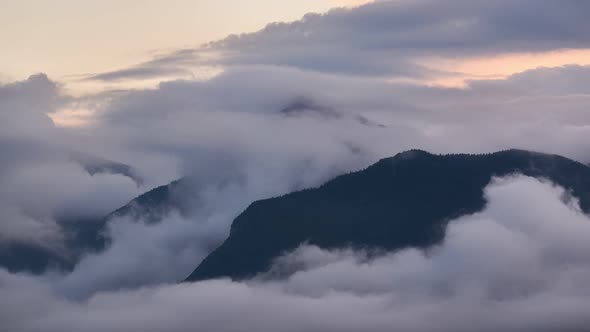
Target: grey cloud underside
[{"x": 384, "y": 38}]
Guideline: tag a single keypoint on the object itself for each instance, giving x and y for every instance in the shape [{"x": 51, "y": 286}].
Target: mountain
[
  {"x": 89, "y": 234},
  {"x": 32, "y": 258},
  {"x": 403, "y": 201},
  {"x": 81, "y": 234},
  {"x": 399, "y": 202},
  {"x": 156, "y": 203}
]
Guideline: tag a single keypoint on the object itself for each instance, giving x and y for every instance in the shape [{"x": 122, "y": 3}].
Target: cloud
[
  {"x": 40, "y": 183},
  {"x": 168, "y": 65},
  {"x": 566, "y": 80},
  {"x": 232, "y": 138},
  {"x": 231, "y": 135},
  {"x": 388, "y": 38},
  {"x": 141, "y": 254},
  {"x": 519, "y": 265},
  {"x": 145, "y": 249},
  {"x": 138, "y": 73},
  {"x": 241, "y": 109},
  {"x": 297, "y": 104},
  {"x": 52, "y": 191},
  {"x": 24, "y": 105}
]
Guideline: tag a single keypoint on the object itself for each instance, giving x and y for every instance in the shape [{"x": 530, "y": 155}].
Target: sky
[
  {"x": 70, "y": 40},
  {"x": 66, "y": 38},
  {"x": 101, "y": 101}
]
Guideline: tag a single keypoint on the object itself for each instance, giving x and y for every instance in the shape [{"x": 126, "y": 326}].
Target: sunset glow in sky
[{"x": 69, "y": 39}]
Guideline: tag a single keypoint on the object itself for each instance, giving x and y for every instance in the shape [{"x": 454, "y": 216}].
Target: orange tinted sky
[{"x": 499, "y": 66}]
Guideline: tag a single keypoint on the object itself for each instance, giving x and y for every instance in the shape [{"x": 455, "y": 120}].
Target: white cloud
[
  {"x": 519, "y": 265},
  {"x": 230, "y": 130}
]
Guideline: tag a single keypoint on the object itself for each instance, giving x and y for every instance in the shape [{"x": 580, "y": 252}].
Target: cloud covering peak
[{"x": 290, "y": 107}]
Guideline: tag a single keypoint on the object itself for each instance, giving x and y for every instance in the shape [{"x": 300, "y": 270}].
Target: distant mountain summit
[{"x": 399, "y": 202}]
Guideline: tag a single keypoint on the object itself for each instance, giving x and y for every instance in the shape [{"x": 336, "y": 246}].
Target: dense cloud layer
[
  {"x": 519, "y": 265},
  {"x": 381, "y": 38},
  {"x": 42, "y": 178},
  {"x": 258, "y": 132},
  {"x": 543, "y": 109},
  {"x": 24, "y": 105},
  {"x": 297, "y": 104},
  {"x": 388, "y": 38}
]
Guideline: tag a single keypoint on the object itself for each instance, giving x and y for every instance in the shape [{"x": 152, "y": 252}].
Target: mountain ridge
[{"x": 418, "y": 190}]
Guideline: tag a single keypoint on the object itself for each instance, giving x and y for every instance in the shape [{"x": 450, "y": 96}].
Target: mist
[{"x": 290, "y": 107}]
